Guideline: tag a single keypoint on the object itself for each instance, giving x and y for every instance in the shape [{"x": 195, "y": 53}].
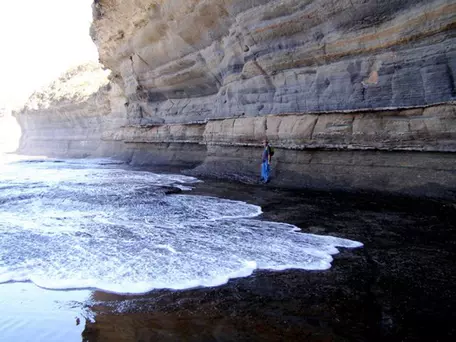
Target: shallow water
[
  {"x": 68, "y": 224},
  {"x": 401, "y": 286},
  {"x": 30, "y": 313}
]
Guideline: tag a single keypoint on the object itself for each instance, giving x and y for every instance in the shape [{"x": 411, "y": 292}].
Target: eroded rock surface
[
  {"x": 355, "y": 94},
  {"x": 185, "y": 61},
  {"x": 68, "y": 117}
]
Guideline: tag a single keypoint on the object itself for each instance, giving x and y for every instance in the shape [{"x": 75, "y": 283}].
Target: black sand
[{"x": 400, "y": 287}]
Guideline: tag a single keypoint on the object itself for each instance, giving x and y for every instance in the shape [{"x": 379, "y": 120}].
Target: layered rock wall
[
  {"x": 184, "y": 61},
  {"x": 355, "y": 94},
  {"x": 67, "y": 118}
]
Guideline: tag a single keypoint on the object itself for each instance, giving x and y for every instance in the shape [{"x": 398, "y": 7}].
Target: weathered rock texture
[
  {"x": 68, "y": 117},
  {"x": 183, "y": 61},
  {"x": 354, "y": 93}
]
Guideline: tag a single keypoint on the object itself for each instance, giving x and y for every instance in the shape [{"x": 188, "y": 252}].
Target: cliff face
[
  {"x": 354, "y": 93},
  {"x": 67, "y": 118},
  {"x": 183, "y": 61}
]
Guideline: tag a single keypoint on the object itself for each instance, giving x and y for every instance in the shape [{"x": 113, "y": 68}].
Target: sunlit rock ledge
[{"x": 354, "y": 94}]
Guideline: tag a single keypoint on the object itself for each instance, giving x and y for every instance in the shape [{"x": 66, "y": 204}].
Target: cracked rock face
[{"x": 184, "y": 61}]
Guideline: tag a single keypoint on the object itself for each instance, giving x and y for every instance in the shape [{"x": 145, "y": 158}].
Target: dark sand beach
[{"x": 400, "y": 287}]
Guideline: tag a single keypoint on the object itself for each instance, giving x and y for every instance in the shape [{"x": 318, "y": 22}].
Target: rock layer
[
  {"x": 68, "y": 117},
  {"x": 355, "y": 94},
  {"x": 181, "y": 61}
]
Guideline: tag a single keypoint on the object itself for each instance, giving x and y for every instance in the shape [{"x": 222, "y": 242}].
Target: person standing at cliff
[{"x": 266, "y": 162}]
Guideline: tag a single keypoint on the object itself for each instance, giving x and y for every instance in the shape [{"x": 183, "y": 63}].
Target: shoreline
[
  {"x": 399, "y": 286},
  {"x": 371, "y": 293}
]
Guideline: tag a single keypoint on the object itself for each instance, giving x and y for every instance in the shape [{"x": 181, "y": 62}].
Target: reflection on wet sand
[
  {"x": 229, "y": 313},
  {"x": 30, "y": 313}
]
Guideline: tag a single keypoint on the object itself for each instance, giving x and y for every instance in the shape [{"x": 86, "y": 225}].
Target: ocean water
[
  {"x": 96, "y": 224},
  {"x": 32, "y": 314}
]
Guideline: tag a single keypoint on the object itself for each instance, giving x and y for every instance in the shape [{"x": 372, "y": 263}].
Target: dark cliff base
[
  {"x": 399, "y": 287},
  {"x": 408, "y": 173},
  {"x": 403, "y": 151}
]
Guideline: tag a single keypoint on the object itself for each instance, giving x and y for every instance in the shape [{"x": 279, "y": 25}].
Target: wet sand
[
  {"x": 29, "y": 313},
  {"x": 400, "y": 287}
]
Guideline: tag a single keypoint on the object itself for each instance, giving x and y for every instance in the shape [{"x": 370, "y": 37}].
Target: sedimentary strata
[{"x": 364, "y": 89}]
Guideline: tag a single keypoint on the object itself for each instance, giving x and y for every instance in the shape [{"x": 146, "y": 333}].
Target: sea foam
[{"x": 96, "y": 225}]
